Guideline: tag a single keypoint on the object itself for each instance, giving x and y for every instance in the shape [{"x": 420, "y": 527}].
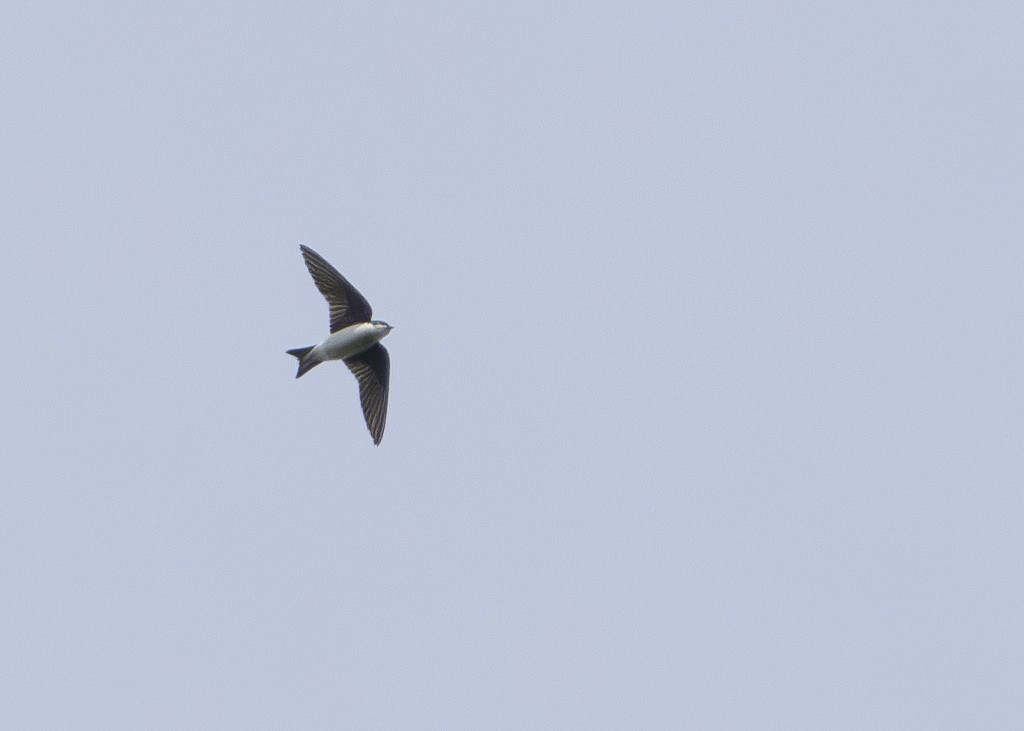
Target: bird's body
[
  {"x": 354, "y": 338},
  {"x": 350, "y": 341}
]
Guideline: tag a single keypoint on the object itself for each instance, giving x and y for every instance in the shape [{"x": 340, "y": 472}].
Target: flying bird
[{"x": 355, "y": 338}]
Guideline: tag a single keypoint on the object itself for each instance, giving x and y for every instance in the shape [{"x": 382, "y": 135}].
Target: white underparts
[{"x": 349, "y": 341}]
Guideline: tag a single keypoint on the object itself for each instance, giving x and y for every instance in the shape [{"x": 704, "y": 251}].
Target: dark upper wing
[
  {"x": 372, "y": 368},
  {"x": 347, "y": 305}
]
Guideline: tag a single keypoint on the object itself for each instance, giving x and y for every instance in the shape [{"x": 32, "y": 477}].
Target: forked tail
[{"x": 306, "y": 361}]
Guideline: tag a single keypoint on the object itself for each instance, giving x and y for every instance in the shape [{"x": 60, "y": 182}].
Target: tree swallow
[{"x": 354, "y": 338}]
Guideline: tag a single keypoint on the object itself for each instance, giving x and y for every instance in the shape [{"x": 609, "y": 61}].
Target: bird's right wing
[{"x": 346, "y": 304}]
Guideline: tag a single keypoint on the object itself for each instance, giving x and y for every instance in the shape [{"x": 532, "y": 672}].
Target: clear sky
[{"x": 706, "y": 404}]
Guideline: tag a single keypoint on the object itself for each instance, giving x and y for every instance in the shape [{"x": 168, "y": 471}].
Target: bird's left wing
[{"x": 372, "y": 368}]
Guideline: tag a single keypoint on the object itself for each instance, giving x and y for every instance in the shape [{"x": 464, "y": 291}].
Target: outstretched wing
[
  {"x": 347, "y": 305},
  {"x": 372, "y": 368}
]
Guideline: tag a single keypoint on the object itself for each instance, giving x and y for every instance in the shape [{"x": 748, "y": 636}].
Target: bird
[{"x": 355, "y": 339}]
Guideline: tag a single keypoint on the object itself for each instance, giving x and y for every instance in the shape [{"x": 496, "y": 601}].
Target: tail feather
[{"x": 305, "y": 360}]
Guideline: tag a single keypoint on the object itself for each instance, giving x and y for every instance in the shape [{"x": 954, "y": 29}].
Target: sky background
[{"x": 707, "y": 405}]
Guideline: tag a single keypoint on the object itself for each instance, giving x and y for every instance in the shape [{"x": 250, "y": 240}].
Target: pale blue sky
[{"x": 706, "y": 402}]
